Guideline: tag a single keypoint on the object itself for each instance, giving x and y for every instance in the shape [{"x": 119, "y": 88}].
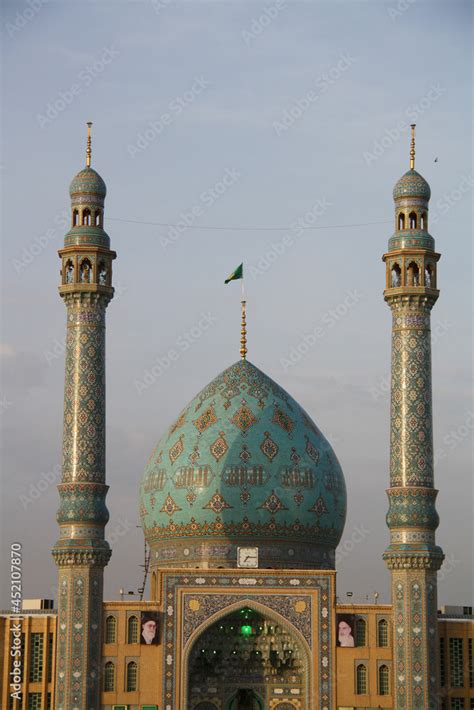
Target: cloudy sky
[{"x": 234, "y": 114}]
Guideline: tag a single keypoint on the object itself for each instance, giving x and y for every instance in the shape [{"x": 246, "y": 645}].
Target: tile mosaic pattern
[
  {"x": 413, "y": 556},
  {"x": 242, "y": 461}
]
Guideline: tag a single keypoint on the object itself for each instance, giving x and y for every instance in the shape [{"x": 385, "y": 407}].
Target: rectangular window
[
  {"x": 50, "y": 657},
  {"x": 48, "y": 701},
  {"x": 36, "y": 658},
  {"x": 34, "y": 701},
  {"x": 442, "y": 662},
  {"x": 457, "y": 703},
  {"x": 456, "y": 663},
  {"x": 471, "y": 662}
]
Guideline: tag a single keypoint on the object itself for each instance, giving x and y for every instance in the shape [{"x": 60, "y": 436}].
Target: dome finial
[
  {"x": 412, "y": 147},
  {"x": 243, "y": 332},
  {"x": 89, "y": 143}
]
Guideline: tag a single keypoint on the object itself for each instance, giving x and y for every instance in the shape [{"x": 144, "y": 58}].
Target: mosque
[{"x": 243, "y": 503}]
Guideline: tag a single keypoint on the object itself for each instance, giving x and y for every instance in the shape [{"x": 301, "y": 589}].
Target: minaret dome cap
[
  {"x": 88, "y": 182},
  {"x": 412, "y": 184}
]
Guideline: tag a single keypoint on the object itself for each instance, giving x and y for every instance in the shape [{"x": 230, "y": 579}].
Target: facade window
[
  {"x": 111, "y": 629},
  {"x": 360, "y": 632},
  {"x": 50, "y": 657},
  {"x": 102, "y": 273},
  {"x": 456, "y": 662},
  {"x": 36, "y": 658},
  {"x": 361, "y": 679},
  {"x": 442, "y": 662},
  {"x": 34, "y": 701},
  {"x": 48, "y": 701},
  {"x": 98, "y": 219},
  {"x": 396, "y": 275},
  {"x": 132, "y": 630},
  {"x": 382, "y": 633},
  {"x": 75, "y": 218},
  {"x": 413, "y": 274},
  {"x": 412, "y": 219},
  {"x": 132, "y": 677},
  {"x": 457, "y": 704},
  {"x": 109, "y": 677},
  {"x": 384, "y": 680},
  {"x": 470, "y": 662},
  {"x": 86, "y": 271},
  {"x": 424, "y": 221},
  {"x": 401, "y": 221},
  {"x": 86, "y": 218}
]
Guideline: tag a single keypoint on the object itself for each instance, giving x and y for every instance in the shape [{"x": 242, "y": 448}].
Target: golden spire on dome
[
  {"x": 89, "y": 143},
  {"x": 412, "y": 147},
  {"x": 243, "y": 332}
]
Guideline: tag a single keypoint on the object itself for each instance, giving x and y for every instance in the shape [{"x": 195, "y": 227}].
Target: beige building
[{"x": 131, "y": 671}]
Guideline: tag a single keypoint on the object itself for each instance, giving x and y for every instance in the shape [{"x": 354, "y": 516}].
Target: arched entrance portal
[{"x": 238, "y": 661}]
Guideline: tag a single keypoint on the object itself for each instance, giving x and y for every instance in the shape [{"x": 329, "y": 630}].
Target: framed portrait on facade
[{"x": 149, "y": 628}]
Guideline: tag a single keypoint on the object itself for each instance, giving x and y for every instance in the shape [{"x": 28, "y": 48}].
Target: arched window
[
  {"x": 413, "y": 274},
  {"x": 132, "y": 629},
  {"x": 429, "y": 280},
  {"x": 401, "y": 221},
  {"x": 86, "y": 217},
  {"x": 396, "y": 275},
  {"x": 75, "y": 218},
  {"x": 382, "y": 633},
  {"x": 412, "y": 218},
  {"x": 424, "y": 220},
  {"x": 69, "y": 272},
  {"x": 109, "y": 676},
  {"x": 384, "y": 680},
  {"x": 132, "y": 676},
  {"x": 98, "y": 218},
  {"x": 111, "y": 629},
  {"x": 102, "y": 273},
  {"x": 361, "y": 679},
  {"x": 86, "y": 271},
  {"x": 360, "y": 632}
]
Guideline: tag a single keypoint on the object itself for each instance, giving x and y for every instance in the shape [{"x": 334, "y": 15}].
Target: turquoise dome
[
  {"x": 89, "y": 182},
  {"x": 243, "y": 465},
  {"x": 412, "y": 184}
]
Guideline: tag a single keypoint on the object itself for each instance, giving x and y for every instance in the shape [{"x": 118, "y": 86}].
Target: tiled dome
[
  {"x": 89, "y": 182},
  {"x": 243, "y": 464},
  {"x": 412, "y": 184}
]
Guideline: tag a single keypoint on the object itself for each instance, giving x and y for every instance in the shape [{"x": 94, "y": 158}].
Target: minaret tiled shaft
[
  {"x": 82, "y": 552},
  {"x": 412, "y": 555}
]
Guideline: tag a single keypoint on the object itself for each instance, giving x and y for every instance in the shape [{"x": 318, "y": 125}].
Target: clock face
[{"x": 247, "y": 557}]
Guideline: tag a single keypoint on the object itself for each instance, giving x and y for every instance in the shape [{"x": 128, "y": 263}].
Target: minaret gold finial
[
  {"x": 243, "y": 333},
  {"x": 89, "y": 143},
  {"x": 412, "y": 147}
]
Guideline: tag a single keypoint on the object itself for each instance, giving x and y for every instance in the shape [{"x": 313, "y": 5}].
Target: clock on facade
[{"x": 247, "y": 557}]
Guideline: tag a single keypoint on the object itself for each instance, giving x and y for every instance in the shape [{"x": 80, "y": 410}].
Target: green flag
[{"x": 237, "y": 274}]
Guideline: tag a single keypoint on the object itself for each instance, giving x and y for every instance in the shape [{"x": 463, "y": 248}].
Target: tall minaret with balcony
[
  {"x": 82, "y": 552},
  {"x": 412, "y": 556}
]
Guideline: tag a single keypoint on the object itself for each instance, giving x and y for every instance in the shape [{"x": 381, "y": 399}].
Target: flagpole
[{"x": 243, "y": 331}]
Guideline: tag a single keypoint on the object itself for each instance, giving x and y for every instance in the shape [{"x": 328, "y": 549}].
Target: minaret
[
  {"x": 412, "y": 556},
  {"x": 82, "y": 552}
]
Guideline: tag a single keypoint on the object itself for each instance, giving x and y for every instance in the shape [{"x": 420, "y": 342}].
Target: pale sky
[{"x": 235, "y": 114}]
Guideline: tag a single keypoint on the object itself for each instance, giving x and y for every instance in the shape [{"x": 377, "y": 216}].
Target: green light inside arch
[{"x": 246, "y": 630}]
